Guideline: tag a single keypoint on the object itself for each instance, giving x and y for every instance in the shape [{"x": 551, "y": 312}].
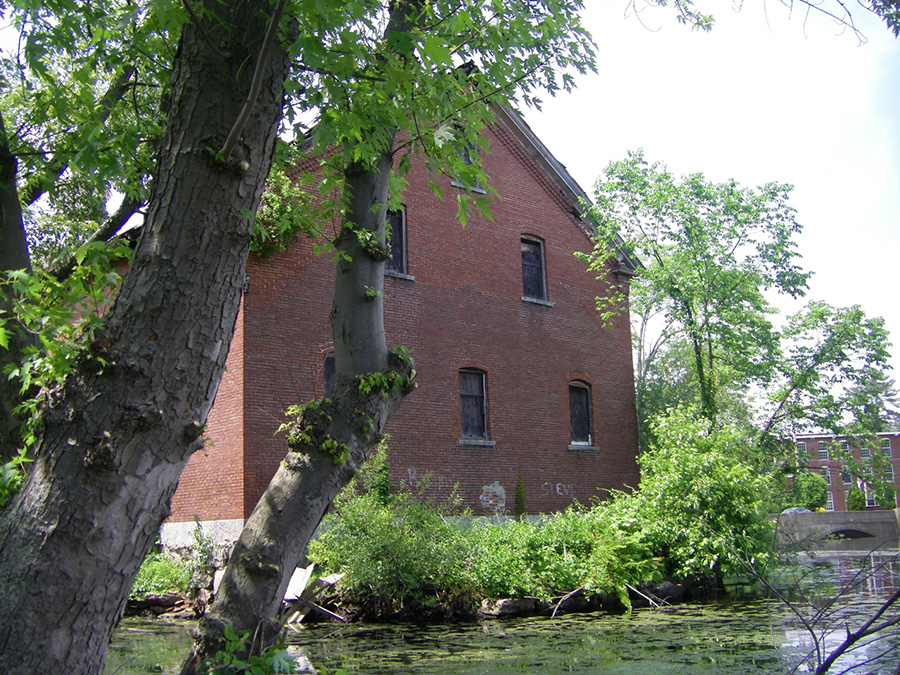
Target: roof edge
[{"x": 558, "y": 173}]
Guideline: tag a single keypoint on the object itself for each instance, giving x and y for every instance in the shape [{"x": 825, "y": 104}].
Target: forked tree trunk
[
  {"x": 328, "y": 441},
  {"x": 117, "y": 436}
]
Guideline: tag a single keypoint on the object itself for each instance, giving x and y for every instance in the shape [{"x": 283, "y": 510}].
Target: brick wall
[
  {"x": 463, "y": 309},
  {"x": 212, "y": 485}
]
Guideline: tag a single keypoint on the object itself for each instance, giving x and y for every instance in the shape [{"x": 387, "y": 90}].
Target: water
[
  {"x": 734, "y": 637},
  {"x": 141, "y": 646}
]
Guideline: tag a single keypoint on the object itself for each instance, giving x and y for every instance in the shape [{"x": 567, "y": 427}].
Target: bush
[
  {"x": 699, "y": 512},
  {"x": 856, "y": 499},
  {"x": 809, "y": 490},
  {"x": 699, "y": 509},
  {"x": 161, "y": 573},
  {"x": 397, "y": 553}
]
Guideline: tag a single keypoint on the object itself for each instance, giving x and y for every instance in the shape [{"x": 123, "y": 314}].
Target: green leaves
[
  {"x": 431, "y": 69},
  {"x": 711, "y": 252},
  {"x": 61, "y": 317},
  {"x": 828, "y": 373}
]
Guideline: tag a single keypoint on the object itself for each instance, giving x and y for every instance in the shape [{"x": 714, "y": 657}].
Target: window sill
[
  {"x": 476, "y": 188},
  {"x": 477, "y": 442},
  {"x": 399, "y": 275},
  {"x": 583, "y": 447},
  {"x": 537, "y": 301}
]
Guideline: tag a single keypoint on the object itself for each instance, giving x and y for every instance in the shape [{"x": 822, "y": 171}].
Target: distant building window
[
  {"x": 885, "y": 447},
  {"x": 865, "y": 453},
  {"x": 845, "y": 475},
  {"x": 580, "y": 412},
  {"x": 829, "y": 503},
  {"x": 889, "y": 473},
  {"x": 845, "y": 446},
  {"x": 826, "y": 474},
  {"x": 396, "y": 222},
  {"x": 534, "y": 285},
  {"x": 802, "y": 454},
  {"x": 823, "y": 451},
  {"x": 328, "y": 374},
  {"x": 473, "y": 404},
  {"x": 868, "y": 489},
  {"x": 871, "y": 502}
]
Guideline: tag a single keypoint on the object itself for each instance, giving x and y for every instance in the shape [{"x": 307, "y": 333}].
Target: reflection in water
[{"x": 756, "y": 636}]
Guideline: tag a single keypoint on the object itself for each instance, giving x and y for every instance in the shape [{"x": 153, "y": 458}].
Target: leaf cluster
[
  {"x": 59, "y": 318},
  {"x": 237, "y": 657},
  {"x": 82, "y": 105}
]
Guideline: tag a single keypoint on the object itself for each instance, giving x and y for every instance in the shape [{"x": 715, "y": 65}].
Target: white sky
[{"x": 762, "y": 97}]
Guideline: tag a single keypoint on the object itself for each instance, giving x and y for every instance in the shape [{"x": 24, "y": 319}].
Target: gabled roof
[{"x": 560, "y": 176}]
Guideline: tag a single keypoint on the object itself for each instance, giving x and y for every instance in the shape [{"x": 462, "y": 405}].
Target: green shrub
[
  {"x": 520, "y": 497},
  {"x": 399, "y": 554},
  {"x": 809, "y": 490},
  {"x": 699, "y": 512},
  {"x": 856, "y": 499},
  {"x": 241, "y": 654},
  {"x": 567, "y": 551},
  {"x": 699, "y": 509},
  {"x": 161, "y": 573}
]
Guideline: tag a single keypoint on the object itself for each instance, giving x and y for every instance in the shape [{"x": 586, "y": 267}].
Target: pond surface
[{"x": 735, "y": 637}]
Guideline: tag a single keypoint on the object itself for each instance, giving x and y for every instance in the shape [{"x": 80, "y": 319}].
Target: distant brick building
[
  {"x": 825, "y": 454},
  {"x": 517, "y": 375}
]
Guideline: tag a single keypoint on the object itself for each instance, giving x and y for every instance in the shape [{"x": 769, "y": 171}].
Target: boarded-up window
[
  {"x": 472, "y": 404},
  {"x": 580, "y": 412},
  {"x": 396, "y": 221},
  {"x": 533, "y": 286}
]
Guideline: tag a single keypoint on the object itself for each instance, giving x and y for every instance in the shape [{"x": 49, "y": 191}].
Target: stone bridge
[{"x": 855, "y": 530}]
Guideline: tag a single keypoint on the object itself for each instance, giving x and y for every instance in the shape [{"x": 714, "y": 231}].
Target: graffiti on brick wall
[
  {"x": 549, "y": 489},
  {"x": 493, "y": 499},
  {"x": 438, "y": 481}
]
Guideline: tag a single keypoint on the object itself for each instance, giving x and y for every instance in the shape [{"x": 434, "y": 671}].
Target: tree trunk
[
  {"x": 330, "y": 439},
  {"x": 13, "y": 256},
  {"x": 116, "y": 437}
]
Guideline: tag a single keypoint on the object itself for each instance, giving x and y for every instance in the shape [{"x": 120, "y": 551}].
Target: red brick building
[
  {"x": 825, "y": 455},
  {"x": 517, "y": 374}
]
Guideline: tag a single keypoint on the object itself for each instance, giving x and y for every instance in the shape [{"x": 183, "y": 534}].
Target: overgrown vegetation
[
  {"x": 809, "y": 490},
  {"x": 700, "y": 513},
  {"x": 167, "y": 572},
  {"x": 161, "y": 573}
]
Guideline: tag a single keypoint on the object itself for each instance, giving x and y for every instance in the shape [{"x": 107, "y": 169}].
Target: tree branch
[
  {"x": 107, "y": 231},
  {"x": 244, "y": 115},
  {"x": 39, "y": 183}
]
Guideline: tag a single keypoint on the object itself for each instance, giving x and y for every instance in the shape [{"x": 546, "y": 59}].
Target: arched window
[
  {"x": 473, "y": 404},
  {"x": 328, "y": 374},
  {"x": 580, "y": 412},
  {"x": 534, "y": 284},
  {"x": 396, "y": 221}
]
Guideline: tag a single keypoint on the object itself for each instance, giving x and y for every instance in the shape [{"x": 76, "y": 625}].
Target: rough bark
[
  {"x": 13, "y": 256},
  {"x": 333, "y": 437},
  {"x": 115, "y": 439},
  {"x": 328, "y": 441}
]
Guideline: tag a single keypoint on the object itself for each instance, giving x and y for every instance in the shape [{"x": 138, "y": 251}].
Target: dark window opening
[
  {"x": 472, "y": 404},
  {"x": 327, "y": 374},
  {"x": 580, "y": 412},
  {"x": 396, "y": 223},
  {"x": 533, "y": 286}
]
